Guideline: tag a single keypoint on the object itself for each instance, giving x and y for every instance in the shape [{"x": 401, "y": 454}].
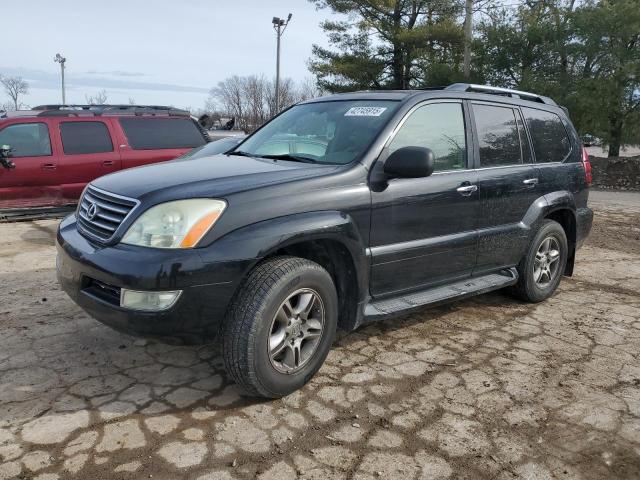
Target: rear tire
[
  {"x": 280, "y": 326},
  {"x": 541, "y": 269}
]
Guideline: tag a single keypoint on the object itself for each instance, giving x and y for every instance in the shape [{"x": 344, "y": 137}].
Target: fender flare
[
  {"x": 252, "y": 243},
  {"x": 545, "y": 205}
]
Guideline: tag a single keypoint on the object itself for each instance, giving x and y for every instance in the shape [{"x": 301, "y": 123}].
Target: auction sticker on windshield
[{"x": 365, "y": 111}]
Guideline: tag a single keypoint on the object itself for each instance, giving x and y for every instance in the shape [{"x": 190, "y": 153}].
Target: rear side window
[
  {"x": 85, "y": 137},
  {"x": 159, "y": 133},
  {"x": 549, "y": 137},
  {"x": 497, "y": 136},
  {"x": 440, "y": 127},
  {"x": 27, "y": 139}
]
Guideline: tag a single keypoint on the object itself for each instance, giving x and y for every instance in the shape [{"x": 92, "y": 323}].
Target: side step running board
[{"x": 387, "y": 307}]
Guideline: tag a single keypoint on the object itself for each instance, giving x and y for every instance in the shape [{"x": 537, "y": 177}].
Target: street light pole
[
  {"x": 61, "y": 60},
  {"x": 279, "y": 26}
]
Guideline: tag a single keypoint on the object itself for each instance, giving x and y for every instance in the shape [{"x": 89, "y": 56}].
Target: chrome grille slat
[
  {"x": 97, "y": 223},
  {"x": 95, "y": 232},
  {"x": 112, "y": 210},
  {"x": 110, "y": 218},
  {"x": 110, "y": 198}
]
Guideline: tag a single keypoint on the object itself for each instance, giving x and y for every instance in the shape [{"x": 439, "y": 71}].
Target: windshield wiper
[
  {"x": 288, "y": 156},
  {"x": 240, "y": 153}
]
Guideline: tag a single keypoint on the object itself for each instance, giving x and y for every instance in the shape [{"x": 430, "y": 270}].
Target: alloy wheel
[
  {"x": 546, "y": 263},
  {"x": 296, "y": 330}
]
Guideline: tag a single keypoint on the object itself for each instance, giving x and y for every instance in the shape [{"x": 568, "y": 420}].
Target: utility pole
[
  {"x": 279, "y": 25},
  {"x": 468, "y": 32},
  {"x": 61, "y": 60}
]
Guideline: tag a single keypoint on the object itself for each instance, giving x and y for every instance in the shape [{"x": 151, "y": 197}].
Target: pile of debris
[{"x": 618, "y": 173}]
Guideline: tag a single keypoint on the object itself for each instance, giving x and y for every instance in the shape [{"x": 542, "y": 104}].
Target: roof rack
[
  {"x": 96, "y": 110},
  {"x": 471, "y": 87}
]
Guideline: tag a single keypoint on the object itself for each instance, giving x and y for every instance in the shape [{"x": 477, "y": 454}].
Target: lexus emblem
[{"x": 92, "y": 211}]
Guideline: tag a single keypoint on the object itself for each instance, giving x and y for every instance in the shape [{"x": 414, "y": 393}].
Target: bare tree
[
  {"x": 251, "y": 100},
  {"x": 229, "y": 93},
  {"x": 14, "y": 87},
  {"x": 308, "y": 89},
  {"x": 100, "y": 98}
]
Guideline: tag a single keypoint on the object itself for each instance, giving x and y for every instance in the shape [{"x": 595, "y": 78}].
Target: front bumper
[{"x": 93, "y": 276}]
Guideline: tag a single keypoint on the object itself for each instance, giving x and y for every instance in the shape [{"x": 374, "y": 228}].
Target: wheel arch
[
  {"x": 336, "y": 258},
  {"x": 329, "y": 238},
  {"x": 559, "y": 206}
]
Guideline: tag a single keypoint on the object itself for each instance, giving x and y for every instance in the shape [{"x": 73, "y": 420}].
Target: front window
[
  {"x": 334, "y": 133},
  {"x": 27, "y": 139},
  {"x": 439, "y": 127}
]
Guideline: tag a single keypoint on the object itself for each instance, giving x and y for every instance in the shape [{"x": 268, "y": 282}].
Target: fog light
[{"x": 150, "y": 301}]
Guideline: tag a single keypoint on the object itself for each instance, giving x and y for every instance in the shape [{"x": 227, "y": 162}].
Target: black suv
[{"x": 341, "y": 211}]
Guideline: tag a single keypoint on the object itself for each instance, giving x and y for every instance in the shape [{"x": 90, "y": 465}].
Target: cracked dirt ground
[{"x": 483, "y": 388}]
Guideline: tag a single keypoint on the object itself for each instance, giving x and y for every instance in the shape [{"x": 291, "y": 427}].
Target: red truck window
[
  {"x": 27, "y": 139},
  {"x": 160, "y": 133},
  {"x": 85, "y": 137}
]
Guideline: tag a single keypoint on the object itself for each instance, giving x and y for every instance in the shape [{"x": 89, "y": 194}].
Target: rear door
[
  {"x": 508, "y": 182},
  {"x": 152, "y": 139},
  {"x": 34, "y": 182},
  {"x": 88, "y": 153},
  {"x": 558, "y": 165}
]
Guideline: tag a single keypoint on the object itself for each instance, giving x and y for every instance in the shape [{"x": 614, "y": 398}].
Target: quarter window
[
  {"x": 160, "y": 133},
  {"x": 85, "y": 137},
  {"x": 549, "y": 137},
  {"x": 27, "y": 139},
  {"x": 439, "y": 127},
  {"x": 497, "y": 136}
]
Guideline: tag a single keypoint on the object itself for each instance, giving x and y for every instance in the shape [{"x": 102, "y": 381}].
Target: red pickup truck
[{"x": 57, "y": 149}]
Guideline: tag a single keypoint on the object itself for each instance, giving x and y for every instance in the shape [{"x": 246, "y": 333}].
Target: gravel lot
[{"x": 483, "y": 388}]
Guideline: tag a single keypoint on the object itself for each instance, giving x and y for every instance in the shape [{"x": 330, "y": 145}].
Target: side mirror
[
  {"x": 5, "y": 153},
  {"x": 410, "y": 162}
]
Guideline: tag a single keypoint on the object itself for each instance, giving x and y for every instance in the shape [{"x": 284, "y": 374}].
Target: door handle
[
  {"x": 108, "y": 163},
  {"x": 49, "y": 166},
  {"x": 467, "y": 190},
  {"x": 530, "y": 181}
]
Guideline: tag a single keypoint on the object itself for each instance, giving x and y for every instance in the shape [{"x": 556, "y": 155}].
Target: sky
[{"x": 154, "y": 51}]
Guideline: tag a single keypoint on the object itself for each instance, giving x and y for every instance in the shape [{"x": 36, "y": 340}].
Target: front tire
[
  {"x": 280, "y": 326},
  {"x": 542, "y": 267}
]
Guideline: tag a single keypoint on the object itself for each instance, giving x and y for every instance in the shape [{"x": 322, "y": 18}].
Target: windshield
[{"x": 333, "y": 133}]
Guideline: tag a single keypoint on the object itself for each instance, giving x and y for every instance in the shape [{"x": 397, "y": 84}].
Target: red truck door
[
  {"x": 89, "y": 151},
  {"x": 35, "y": 180}
]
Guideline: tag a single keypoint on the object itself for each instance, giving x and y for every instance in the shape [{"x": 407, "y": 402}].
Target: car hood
[{"x": 212, "y": 176}]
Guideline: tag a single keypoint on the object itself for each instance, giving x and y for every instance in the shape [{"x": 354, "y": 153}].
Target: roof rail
[
  {"x": 79, "y": 110},
  {"x": 471, "y": 87}
]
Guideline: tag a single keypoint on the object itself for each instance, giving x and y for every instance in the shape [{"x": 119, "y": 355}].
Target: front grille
[{"x": 100, "y": 213}]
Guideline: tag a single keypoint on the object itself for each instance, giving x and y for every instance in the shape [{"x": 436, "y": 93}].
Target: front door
[
  {"x": 423, "y": 230},
  {"x": 508, "y": 185},
  {"x": 34, "y": 182}
]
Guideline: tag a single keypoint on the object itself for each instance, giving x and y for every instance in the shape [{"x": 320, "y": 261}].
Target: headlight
[{"x": 179, "y": 224}]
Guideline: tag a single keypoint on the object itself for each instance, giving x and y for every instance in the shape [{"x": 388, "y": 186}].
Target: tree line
[
  {"x": 251, "y": 100},
  {"x": 584, "y": 54}
]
